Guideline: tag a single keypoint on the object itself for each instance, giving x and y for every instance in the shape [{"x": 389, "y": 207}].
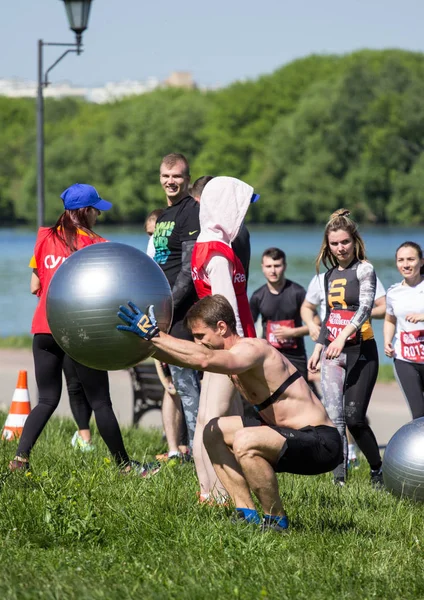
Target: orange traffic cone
[{"x": 19, "y": 409}]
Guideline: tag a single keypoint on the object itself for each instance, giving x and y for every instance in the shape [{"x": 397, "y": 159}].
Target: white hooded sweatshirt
[{"x": 223, "y": 206}]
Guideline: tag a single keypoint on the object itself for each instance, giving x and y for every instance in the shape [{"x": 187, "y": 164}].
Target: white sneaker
[{"x": 79, "y": 444}]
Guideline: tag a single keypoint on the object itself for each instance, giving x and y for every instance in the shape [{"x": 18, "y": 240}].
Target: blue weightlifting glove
[{"x": 138, "y": 322}]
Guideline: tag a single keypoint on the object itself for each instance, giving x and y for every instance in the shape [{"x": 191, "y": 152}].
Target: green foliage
[
  {"x": 74, "y": 528},
  {"x": 16, "y": 341},
  {"x": 17, "y": 133},
  {"x": 317, "y": 134},
  {"x": 349, "y": 141},
  {"x": 385, "y": 374},
  {"x": 117, "y": 148}
]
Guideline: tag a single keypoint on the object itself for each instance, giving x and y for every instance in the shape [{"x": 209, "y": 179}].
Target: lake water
[{"x": 301, "y": 245}]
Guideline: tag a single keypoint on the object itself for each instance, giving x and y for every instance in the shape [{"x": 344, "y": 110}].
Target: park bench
[{"x": 147, "y": 390}]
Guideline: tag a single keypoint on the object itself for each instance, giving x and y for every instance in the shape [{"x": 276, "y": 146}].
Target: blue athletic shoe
[{"x": 245, "y": 515}]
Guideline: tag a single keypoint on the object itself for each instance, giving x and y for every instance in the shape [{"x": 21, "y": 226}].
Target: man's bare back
[{"x": 296, "y": 407}]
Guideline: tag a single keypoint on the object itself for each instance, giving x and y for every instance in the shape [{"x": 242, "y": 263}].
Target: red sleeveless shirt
[
  {"x": 202, "y": 252},
  {"x": 49, "y": 254}
]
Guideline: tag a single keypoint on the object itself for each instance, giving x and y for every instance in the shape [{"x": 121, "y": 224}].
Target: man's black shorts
[{"x": 307, "y": 451}]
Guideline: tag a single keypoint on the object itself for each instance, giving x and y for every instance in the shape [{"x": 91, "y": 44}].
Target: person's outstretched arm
[
  {"x": 184, "y": 353},
  {"x": 199, "y": 357}
]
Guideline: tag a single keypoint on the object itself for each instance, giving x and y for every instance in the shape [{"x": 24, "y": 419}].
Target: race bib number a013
[
  {"x": 285, "y": 344},
  {"x": 337, "y": 321},
  {"x": 412, "y": 345}
]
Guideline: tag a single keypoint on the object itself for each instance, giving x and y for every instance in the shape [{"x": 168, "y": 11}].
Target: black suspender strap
[{"x": 274, "y": 397}]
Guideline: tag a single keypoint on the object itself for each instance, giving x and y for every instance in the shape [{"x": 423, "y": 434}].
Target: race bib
[
  {"x": 412, "y": 345},
  {"x": 287, "y": 343},
  {"x": 337, "y": 321}
]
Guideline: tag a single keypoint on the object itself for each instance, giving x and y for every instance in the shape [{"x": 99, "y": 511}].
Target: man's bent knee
[
  {"x": 221, "y": 429},
  {"x": 247, "y": 444},
  {"x": 244, "y": 444}
]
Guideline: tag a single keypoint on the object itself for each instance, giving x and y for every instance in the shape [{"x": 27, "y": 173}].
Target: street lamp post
[{"x": 78, "y": 12}]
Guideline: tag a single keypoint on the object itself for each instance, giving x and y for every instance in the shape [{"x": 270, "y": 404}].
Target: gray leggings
[
  {"x": 187, "y": 384},
  {"x": 347, "y": 384}
]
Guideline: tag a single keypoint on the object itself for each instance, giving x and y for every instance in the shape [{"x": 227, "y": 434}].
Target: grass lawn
[{"x": 74, "y": 528}]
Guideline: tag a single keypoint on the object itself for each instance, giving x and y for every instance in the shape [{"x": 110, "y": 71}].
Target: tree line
[{"x": 319, "y": 133}]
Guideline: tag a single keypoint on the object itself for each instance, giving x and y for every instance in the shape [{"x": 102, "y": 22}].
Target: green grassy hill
[{"x": 74, "y": 528}]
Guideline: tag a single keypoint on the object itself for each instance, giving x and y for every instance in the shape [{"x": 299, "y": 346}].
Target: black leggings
[
  {"x": 80, "y": 407},
  {"x": 410, "y": 377},
  {"x": 48, "y": 361},
  {"x": 347, "y": 384}
]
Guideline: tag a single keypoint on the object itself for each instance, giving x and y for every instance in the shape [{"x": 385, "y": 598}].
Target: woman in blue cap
[{"x": 72, "y": 231}]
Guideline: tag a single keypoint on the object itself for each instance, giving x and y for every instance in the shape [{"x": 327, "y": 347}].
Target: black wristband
[{"x": 154, "y": 332}]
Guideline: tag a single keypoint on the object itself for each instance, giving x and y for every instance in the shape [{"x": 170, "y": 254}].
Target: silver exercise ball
[
  {"x": 84, "y": 297},
  {"x": 403, "y": 462}
]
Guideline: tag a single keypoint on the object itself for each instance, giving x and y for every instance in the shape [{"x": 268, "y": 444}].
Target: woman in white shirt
[{"x": 405, "y": 323}]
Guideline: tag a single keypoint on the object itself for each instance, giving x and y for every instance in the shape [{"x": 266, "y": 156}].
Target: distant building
[
  {"x": 20, "y": 88},
  {"x": 180, "y": 79},
  {"x": 116, "y": 91}
]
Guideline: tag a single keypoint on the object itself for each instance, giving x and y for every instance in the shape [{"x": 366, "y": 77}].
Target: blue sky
[{"x": 219, "y": 42}]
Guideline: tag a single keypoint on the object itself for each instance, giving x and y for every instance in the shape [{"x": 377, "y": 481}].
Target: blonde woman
[{"x": 346, "y": 348}]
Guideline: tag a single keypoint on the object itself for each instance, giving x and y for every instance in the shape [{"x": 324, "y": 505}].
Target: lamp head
[{"x": 78, "y": 12}]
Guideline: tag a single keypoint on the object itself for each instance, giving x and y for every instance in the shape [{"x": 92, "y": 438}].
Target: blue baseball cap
[
  {"x": 82, "y": 195},
  {"x": 254, "y": 198}
]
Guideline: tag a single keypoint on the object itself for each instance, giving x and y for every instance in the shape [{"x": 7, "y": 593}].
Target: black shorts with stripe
[{"x": 306, "y": 451}]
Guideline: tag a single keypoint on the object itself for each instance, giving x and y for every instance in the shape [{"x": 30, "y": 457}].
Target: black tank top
[{"x": 350, "y": 296}]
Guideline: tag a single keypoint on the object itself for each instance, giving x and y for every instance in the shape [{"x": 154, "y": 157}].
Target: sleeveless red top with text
[
  {"x": 49, "y": 253},
  {"x": 202, "y": 252}
]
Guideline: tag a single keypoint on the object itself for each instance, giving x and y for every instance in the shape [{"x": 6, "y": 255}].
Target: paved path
[
  {"x": 12, "y": 361},
  {"x": 387, "y": 412}
]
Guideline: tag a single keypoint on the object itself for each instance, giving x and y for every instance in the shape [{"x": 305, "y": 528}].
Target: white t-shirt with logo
[
  {"x": 316, "y": 293},
  {"x": 403, "y": 300}
]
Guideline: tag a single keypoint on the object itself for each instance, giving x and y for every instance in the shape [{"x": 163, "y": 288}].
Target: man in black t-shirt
[
  {"x": 175, "y": 234},
  {"x": 278, "y": 302},
  {"x": 241, "y": 245}
]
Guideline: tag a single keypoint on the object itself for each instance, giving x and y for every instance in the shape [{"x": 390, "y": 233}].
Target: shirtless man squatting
[{"x": 291, "y": 432}]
